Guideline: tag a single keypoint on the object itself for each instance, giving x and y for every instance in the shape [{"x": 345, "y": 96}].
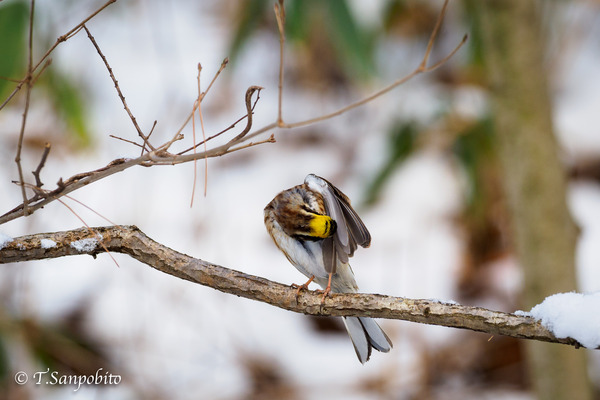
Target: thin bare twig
[
  {"x": 45, "y": 193},
  {"x": 5, "y": 78},
  {"x": 230, "y": 127},
  {"x": 195, "y": 161},
  {"x": 379, "y": 93},
  {"x": 22, "y": 81},
  {"x": 271, "y": 139},
  {"x": 127, "y": 140},
  {"x": 433, "y": 36},
  {"x": 221, "y": 68},
  {"x": 161, "y": 156},
  {"x": 422, "y": 68},
  {"x": 280, "y": 17},
  {"x": 156, "y": 157},
  {"x": 90, "y": 208},
  {"x": 73, "y": 31},
  {"x": 135, "y": 143},
  {"x": 60, "y": 39},
  {"x": 75, "y": 182},
  {"x": 89, "y": 229},
  {"x": 178, "y": 135},
  {"x": 191, "y": 114},
  {"x": 248, "y": 99},
  {"x": 198, "y": 103},
  {"x": 26, "y": 110},
  {"x": 112, "y": 76},
  {"x": 448, "y": 56},
  {"x": 203, "y": 133},
  {"x": 36, "y": 173},
  {"x": 41, "y": 71},
  {"x": 148, "y": 137}
]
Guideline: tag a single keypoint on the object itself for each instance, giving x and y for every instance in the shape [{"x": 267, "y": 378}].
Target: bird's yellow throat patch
[{"x": 321, "y": 226}]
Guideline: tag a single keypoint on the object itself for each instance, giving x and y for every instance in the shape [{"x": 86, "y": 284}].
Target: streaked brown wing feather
[
  {"x": 329, "y": 254},
  {"x": 357, "y": 229}
]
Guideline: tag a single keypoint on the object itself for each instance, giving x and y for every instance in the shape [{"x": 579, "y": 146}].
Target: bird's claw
[
  {"x": 325, "y": 293},
  {"x": 299, "y": 288}
]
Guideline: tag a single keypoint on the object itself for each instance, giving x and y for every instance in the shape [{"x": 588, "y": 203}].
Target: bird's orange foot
[
  {"x": 302, "y": 287},
  {"x": 325, "y": 294},
  {"x": 326, "y": 291}
]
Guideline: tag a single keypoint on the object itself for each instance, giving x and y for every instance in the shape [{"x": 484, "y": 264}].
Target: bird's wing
[
  {"x": 350, "y": 232},
  {"x": 329, "y": 254}
]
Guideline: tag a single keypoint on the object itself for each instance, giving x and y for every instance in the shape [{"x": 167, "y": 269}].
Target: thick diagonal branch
[{"x": 130, "y": 240}]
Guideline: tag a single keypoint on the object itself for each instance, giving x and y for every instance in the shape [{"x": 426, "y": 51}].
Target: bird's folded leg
[{"x": 326, "y": 291}]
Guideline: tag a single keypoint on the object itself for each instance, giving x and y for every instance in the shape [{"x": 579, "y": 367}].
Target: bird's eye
[{"x": 308, "y": 209}]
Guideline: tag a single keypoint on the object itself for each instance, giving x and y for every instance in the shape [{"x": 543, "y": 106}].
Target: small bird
[{"x": 317, "y": 229}]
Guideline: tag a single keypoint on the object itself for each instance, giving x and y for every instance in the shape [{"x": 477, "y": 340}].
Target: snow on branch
[{"x": 130, "y": 240}]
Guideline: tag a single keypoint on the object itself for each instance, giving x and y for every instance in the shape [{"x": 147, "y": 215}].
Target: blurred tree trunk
[{"x": 534, "y": 179}]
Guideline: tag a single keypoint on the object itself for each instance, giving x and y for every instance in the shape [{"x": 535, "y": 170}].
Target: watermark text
[{"x": 101, "y": 377}]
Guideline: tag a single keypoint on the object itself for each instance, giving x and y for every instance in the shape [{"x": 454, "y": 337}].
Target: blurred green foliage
[
  {"x": 63, "y": 346},
  {"x": 251, "y": 13},
  {"x": 69, "y": 102},
  {"x": 330, "y": 42},
  {"x": 400, "y": 145},
  {"x": 352, "y": 44},
  {"x": 484, "y": 213},
  {"x": 13, "y": 48},
  {"x": 65, "y": 96},
  {"x": 473, "y": 20},
  {"x": 474, "y": 149},
  {"x": 4, "y": 361}
]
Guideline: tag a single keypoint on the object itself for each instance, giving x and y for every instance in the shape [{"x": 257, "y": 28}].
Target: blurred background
[{"x": 428, "y": 166}]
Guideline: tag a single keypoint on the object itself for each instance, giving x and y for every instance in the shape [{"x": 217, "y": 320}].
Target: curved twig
[{"x": 160, "y": 155}]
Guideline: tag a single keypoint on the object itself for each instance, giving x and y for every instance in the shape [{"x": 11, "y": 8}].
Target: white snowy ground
[{"x": 187, "y": 341}]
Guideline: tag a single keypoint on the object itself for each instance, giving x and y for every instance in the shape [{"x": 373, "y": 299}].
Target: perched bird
[{"x": 317, "y": 229}]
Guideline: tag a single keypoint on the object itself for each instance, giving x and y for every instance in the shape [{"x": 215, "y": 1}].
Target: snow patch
[
  {"x": 48, "y": 243},
  {"x": 4, "y": 240},
  {"x": 521, "y": 313},
  {"x": 573, "y": 315},
  {"x": 85, "y": 245},
  {"x": 446, "y": 302}
]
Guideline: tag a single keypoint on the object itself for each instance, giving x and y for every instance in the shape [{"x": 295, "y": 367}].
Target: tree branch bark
[{"x": 130, "y": 240}]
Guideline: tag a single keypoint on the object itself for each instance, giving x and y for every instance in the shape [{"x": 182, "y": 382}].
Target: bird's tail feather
[{"x": 366, "y": 334}]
